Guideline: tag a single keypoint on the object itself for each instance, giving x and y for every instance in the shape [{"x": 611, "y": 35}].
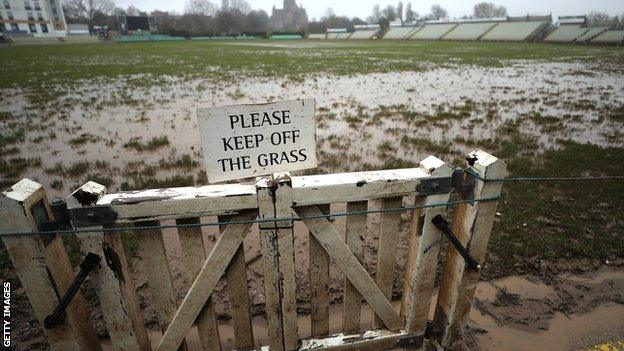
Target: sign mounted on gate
[{"x": 243, "y": 141}]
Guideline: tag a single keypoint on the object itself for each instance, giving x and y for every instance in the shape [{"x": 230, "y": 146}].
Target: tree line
[{"x": 203, "y": 17}]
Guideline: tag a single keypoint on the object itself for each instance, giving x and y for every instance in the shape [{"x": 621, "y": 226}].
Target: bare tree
[
  {"x": 200, "y": 7},
  {"x": 488, "y": 10},
  {"x": 410, "y": 15},
  {"x": 133, "y": 11},
  {"x": 87, "y": 9},
  {"x": 329, "y": 13},
  {"x": 389, "y": 13},
  {"x": 595, "y": 17},
  {"x": 399, "y": 10},
  {"x": 257, "y": 21},
  {"x": 375, "y": 15},
  {"x": 240, "y": 5},
  {"x": 438, "y": 12}
]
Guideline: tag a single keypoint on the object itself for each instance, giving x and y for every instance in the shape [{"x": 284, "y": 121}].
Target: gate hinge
[
  {"x": 410, "y": 341},
  {"x": 463, "y": 183},
  {"x": 65, "y": 218},
  {"x": 434, "y": 186}
]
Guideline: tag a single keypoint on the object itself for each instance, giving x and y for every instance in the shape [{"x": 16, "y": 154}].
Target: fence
[{"x": 273, "y": 203}]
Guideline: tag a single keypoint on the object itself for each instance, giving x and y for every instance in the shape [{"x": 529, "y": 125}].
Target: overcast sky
[{"x": 362, "y": 8}]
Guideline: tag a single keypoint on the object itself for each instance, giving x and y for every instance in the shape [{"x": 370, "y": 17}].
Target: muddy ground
[{"x": 554, "y": 270}]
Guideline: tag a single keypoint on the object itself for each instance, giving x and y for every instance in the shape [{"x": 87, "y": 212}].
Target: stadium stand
[
  {"x": 610, "y": 37},
  {"x": 469, "y": 31},
  {"x": 418, "y": 28},
  {"x": 515, "y": 31},
  {"x": 433, "y": 31},
  {"x": 317, "y": 36},
  {"x": 566, "y": 34},
  {"x": 590, "y": 34},
  {"x": 343, "y": 35},
  {"x": 398, "y": 32},
  {"x": 363, "y": 34}
]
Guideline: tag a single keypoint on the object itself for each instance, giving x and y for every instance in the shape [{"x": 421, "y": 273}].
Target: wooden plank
[
  {"x": 208, "y": 277},
  {"x": 157, "y": 271},
  {"x": 472, "y": 226},
  {"x": 422, "y": 259},
  {"x": 286, "y": 249},
  {"x": 112, "y": 282},
  {"x": 193, "y": 256},
  {"x": 29, "y": 260},
  {"x": 270, "y": 262},
  {"x": 319, "y": 284},
  {"x": 386, "y": 252},
  {"x": 356, "y": 186},
  {"x": 238, "y": 294},
  {"x": 209, "y": 200},
  {"x": 158, "y": 204},
  {"x": 350, "y": 266},
  {"x": 355, "y": 234},
  {"x": 372, "y": 340}
]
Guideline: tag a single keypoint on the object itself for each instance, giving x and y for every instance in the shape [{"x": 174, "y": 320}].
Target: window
[
  {"x": 30, "y": 16},
  {"x": 37, "y": 7},
  {"x": 32, "y": 27},
  {"x": 27, "y": 6},
  {"x": 39, "y": 17},
  {"x": 44, "y": 28},
  {"x": 10, "y": 14},
  {"x": 7, "y": 5},
  {"x": 14, "y": 27},
  {"x": 2, "y": 28}
]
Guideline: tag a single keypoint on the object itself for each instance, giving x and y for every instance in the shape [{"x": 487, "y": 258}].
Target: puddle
[{"x": 114, "y": 112}]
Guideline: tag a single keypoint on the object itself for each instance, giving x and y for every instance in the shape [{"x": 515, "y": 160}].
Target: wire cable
[{"x": 257, "y": 220}]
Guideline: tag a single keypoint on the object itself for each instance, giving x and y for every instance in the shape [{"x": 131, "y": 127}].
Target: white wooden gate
[{"x": 273, "y": 203}]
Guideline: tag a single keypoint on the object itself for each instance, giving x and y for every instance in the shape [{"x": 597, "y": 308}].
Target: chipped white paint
[
  {"x": 22, "y": 190},
  {"x": 355, "y": 186},
  {"x": 243, "y": 141},
  {"x": 181, "y": 202}
]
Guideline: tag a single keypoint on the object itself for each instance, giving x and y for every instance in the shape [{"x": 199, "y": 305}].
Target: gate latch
[
  {"x": 90, "y": 262},
  {"x": 444, "y": 226}
]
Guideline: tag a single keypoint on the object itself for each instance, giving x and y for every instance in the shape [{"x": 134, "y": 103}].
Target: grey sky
[{"x": 362, "y": 8}]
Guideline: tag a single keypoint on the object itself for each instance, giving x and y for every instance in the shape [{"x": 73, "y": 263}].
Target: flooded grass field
[{"x": 124, "y": 115}]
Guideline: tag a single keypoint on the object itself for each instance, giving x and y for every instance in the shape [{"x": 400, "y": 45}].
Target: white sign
[{"x": 244, "y": 141}]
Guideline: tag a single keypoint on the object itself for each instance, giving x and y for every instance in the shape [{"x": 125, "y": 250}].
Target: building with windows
[
  {"x": 291, "y": 18},
  {"x": 32, "y": 17}
]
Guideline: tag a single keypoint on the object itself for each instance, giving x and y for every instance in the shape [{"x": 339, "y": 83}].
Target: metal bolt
[
  {"x": 435, "y": 186},
  {"x": 91, "y": 216}
]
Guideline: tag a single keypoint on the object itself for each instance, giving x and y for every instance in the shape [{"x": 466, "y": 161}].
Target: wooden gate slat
[
  {"x": 355, "y": 234},
  {"x": 319, "y": 284},
  {"x": 350, "y": 266},
  {"x": 422, "y": 259},
  {"x": 112, "y": 282},
  {"x": 156, "y": 266},
  {"x": 208, "y": 277},
  {"x": 472, "y": 225},
  {"x": 386, "y": 252},
  {"x": 193, "y": 256},
  {"x": 21, "y": 209},
  {"x": 238, "y": 295},
  {"x": 270, "y": 264}
]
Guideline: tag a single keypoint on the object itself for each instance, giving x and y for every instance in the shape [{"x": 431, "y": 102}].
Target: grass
[
  {"x": 560, "y": 220},
  {"x": 151, "y": 145},
  {"x": 44, "y": 66}
]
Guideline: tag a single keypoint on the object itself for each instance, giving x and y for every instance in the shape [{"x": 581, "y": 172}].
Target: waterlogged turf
[{"x": 34, "y": 65}]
